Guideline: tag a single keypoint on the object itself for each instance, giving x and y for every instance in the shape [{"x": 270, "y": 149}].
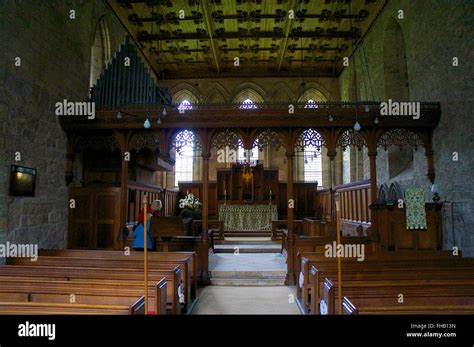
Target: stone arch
[
  {"x": 395, "y": 63},
  {"x": 216, "y": 94},
  {"x": 249, "y": 90},
  {"x": 382, "y": 194},
  {"x": 100, "y": 50},
  {"x": 185, "y": 91},
  {"x": 315, "y": 91},
  {"x": 280, "y": 92}
]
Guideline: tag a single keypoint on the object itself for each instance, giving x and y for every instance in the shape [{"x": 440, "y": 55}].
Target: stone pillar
[
  {"x": 338, "y": 169},
  {"x": 205, "y": 277},
  {"x": 290, "y": 276}
]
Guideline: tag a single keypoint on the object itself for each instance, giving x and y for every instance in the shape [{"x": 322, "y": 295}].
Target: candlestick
[{"x": 270, "y": 197}]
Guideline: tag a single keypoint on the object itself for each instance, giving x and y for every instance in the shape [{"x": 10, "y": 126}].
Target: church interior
[{"x": 199, "y": 157}]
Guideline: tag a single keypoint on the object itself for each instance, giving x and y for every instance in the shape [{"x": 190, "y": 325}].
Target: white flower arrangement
[{"x": 190, "y": 202}]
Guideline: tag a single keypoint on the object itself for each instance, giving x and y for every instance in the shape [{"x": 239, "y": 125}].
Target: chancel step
[
  {"x": 248, "y": 278},
  {"x": 258, "y": 247}
]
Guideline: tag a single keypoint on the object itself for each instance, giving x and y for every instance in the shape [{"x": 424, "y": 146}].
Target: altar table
[{"x": 248, "y": 217}]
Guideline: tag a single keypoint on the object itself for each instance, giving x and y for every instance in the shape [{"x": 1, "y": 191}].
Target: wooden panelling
[{"x": 393, "y": 234}]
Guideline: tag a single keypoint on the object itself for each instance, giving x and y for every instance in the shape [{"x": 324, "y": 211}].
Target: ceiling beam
[
  {"x": 210, "y": 30},
  {"x": 289, "y": 24},
  {"x": 145, "y": 36}
]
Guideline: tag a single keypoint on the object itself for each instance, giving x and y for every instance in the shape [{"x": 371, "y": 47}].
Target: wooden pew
[
  {"x": 33, "y": 289},
  {"x": 352, "y": 308},
  {"x": 113, "y": 263},
  {"x": 85, "y": 275},
  {"x": 380, "y": 272},
  {"x": 40, "y": 308},
  {"x": 201, "y": 245},
  {"x": 307, "y": 259},
  {"x": 280, "y": 226},
  {"x": 186, "y": 259},
  {"x": 415, "y": 292}
]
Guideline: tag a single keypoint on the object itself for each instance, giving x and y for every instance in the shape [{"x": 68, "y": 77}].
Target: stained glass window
[{"x": 248, "y": 104}]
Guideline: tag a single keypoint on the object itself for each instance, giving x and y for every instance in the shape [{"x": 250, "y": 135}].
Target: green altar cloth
[
  {"x": 415, "y": 208},
  {"x": 248, "y": 217}
]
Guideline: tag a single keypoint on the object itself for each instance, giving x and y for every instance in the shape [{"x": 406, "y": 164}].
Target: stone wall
[
  {"x": 55, "y": 64},
  {"x": 434, "y": 33}
]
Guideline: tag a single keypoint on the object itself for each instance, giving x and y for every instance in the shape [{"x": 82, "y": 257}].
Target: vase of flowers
[{"x": 190, "y": 206}]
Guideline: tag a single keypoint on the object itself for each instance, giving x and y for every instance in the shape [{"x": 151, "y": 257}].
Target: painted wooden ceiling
[{"x": 204, "y": 38}]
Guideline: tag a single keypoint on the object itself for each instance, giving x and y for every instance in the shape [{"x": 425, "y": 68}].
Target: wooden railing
[
  {"x": 136, "y": 192},
  {"x": 170, "y": 201},
  {"x": 354, "y": 200}
]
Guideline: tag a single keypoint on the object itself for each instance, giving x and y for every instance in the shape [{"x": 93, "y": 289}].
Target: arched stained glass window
[
  {"x": 311, "y": 104},
  {"x": 248, "y": 104},
  {"x": 184, "y": 106}
]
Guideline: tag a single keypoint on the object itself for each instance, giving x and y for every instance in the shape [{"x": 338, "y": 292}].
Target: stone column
[
  {"x": 290, "y": 276},
  {"x": 205, "y": 277}
]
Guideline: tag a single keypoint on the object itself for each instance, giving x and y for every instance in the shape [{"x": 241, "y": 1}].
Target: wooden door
[
  {"x": 80, "y": 217},
  {"x": 95, "y": 220}
]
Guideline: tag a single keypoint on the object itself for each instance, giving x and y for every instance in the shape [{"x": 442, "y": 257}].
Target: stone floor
[
  {"x": 247, "y": 283},
  {"x": 247, "y": 262},
  {"x": 246, "y": 300}
]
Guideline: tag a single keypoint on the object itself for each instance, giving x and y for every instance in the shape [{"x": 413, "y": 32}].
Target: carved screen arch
[
  {"x": 227, "y": 138},
  {"x": 351, "y": 138},
  {"x": 309, "y": 138},
  {"x": 399, "y": 137},
  {"x": 145, "y": 140},
  {"x": 270, "y": 138}
]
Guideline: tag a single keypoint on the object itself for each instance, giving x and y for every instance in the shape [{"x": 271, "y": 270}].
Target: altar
[{"x": 248, "y": 217}]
